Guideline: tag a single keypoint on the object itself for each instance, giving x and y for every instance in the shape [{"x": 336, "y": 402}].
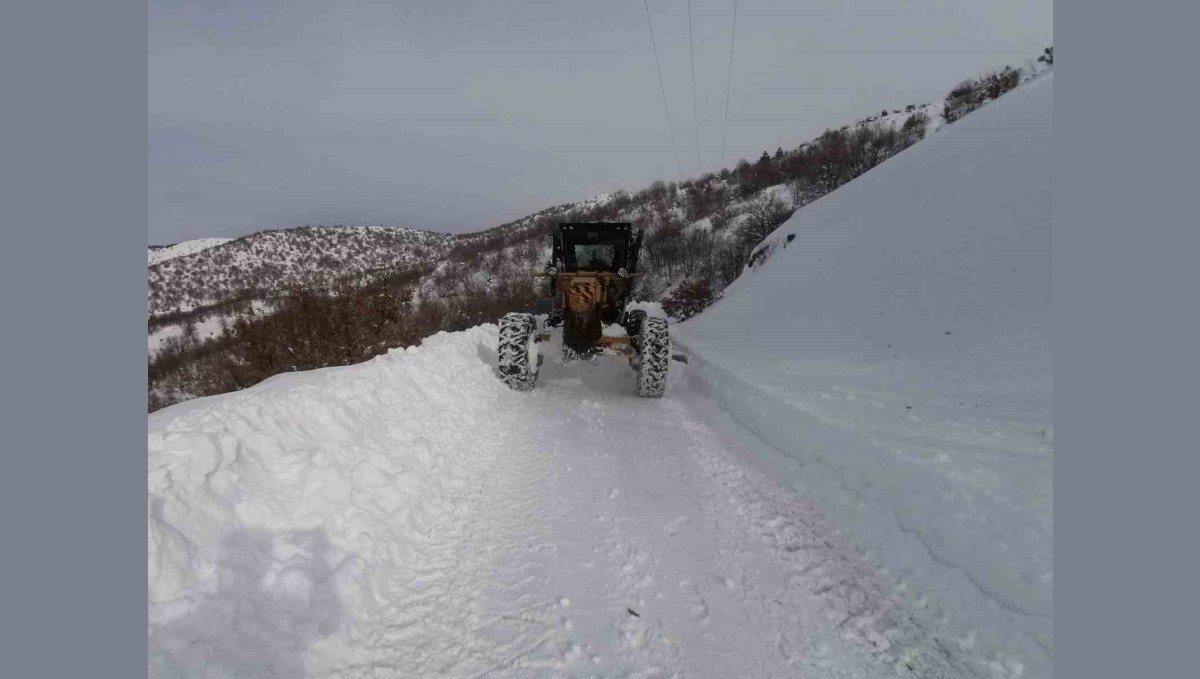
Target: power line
[
  {"x": 695, "y": 108},
  {"x": 670, "y": 126},
  {"x": 728, "y": 82}
]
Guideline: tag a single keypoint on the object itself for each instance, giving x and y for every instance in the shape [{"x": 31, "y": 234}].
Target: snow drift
[
  {"x": 296, "y": 509},
  {"x": 895, "y": 348}
]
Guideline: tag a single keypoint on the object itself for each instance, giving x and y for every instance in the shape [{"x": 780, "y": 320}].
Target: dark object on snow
[
  {"x": 633, "y": 612},
  {"x": 679, "y": 357},
  {"x": 758, "y": 256},
  {"x": 592, "y": 271}
]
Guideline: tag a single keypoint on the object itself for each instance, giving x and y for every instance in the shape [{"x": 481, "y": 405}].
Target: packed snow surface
[
  {"x": 187, "y": 247},
  {"x": 851, "y": 476},
  {"x": 897, "y": 356},
  {"x": 412, "y": 516}
]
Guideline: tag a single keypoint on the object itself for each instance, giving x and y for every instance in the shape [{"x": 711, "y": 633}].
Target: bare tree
[{"x": 763, "y": 215}]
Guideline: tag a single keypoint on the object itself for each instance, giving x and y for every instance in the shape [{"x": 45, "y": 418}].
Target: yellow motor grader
[{"x": 592, "y": 269}]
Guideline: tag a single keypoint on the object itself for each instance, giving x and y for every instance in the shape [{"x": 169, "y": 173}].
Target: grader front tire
[
  {"x": 654, "y": 358},
  {"x": 516, "y": 340}
]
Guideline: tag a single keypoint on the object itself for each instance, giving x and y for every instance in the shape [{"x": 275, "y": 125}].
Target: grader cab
[{"x": 592, "y": 270}]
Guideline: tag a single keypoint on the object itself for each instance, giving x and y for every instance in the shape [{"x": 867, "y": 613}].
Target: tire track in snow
[
  {"x": 618, "y": 507},
  {"x": 567, "y": 595},
  {"x": 861, "y": 602}
]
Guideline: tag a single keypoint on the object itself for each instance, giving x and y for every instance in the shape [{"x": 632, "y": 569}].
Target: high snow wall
[{"x": 896, "y": 352}]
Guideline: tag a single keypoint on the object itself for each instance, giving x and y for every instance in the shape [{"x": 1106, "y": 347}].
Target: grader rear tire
[
  {"x": 517, "y": 355},
  {"x": 654, "y": 358}
]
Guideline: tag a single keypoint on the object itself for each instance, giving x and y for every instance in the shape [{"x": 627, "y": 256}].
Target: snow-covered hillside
[
  {"x": 852, "y": 476},
  {"x": 206, "y": 326},
  {"x": 897, "y": 355},
  {"x": 160, "y": 254},
  {"x": 272, "y": 261}
]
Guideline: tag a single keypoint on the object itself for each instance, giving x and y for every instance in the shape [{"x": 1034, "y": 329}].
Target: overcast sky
[{"x": 461, "y": 115}]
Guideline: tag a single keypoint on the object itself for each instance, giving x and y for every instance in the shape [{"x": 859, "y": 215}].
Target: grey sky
[{"x": 461, "y": 115}]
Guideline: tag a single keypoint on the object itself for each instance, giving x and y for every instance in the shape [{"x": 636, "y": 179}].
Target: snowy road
[
  {"x": 640, "y": 505},
  {"x": 574, "y": 530}
]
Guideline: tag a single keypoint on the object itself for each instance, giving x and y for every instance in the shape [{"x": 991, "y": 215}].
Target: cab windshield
[{"x": 594, "y": 257}]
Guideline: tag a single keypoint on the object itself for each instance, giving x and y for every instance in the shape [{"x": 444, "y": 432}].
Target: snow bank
[
  {"x": 897, "y": 353},
  {"x": 295, "y": 512},
  {"x": 614, "y": 330}
]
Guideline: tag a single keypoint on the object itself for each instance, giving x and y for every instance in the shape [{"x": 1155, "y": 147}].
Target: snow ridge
[{"x": 159, "y": 254}]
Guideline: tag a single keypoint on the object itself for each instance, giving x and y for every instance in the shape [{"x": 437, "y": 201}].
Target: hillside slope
[
  {"x": 270, "y": 262},
  {"x": 897, "y": 354}
]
